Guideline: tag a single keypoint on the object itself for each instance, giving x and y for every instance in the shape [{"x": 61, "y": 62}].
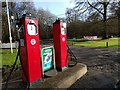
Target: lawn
[
  {"x": 112, "y": 43},
  {"x": 8, "y": 58},
  {"x": 0, "y": 58}
]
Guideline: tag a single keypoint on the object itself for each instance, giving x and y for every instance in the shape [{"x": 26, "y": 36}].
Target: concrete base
[
  {"x": 61, "y": 69},
  {"x": 64, "y": 79}
]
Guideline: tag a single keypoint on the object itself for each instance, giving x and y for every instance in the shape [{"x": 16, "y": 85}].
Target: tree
[
  {"x": 117, "y": 12},
  {"x": 89, "y": 7},
  {"x": 14, "y": 7},
  {"x": 46, "y": 19},
  {"x": 5, "y": 34},
  {"x": 25, "y": 8},
  {"x": 0, "y": 21},
  {"x": 94, "y": 17},
  {"x": 69, "y": 15}
]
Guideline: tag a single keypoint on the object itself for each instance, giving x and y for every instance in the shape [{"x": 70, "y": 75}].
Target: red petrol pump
[
  {"x": 30, "y": 50},
  {"x": 60, "y": 44}
]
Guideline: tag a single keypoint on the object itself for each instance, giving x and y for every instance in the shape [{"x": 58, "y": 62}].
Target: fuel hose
[
  {"x": 18, "y": 55},
  {"x": 71, "y": 59}
]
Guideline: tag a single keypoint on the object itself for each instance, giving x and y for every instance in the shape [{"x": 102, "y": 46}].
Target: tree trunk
[
  {"x": 119, "y": 26},
  {"x": 118, "y": 13},
  {"x": 104, "y": 21}
]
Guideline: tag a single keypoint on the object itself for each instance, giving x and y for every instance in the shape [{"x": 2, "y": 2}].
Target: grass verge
[
  {"x": 8, "y": 58},
  {"x": 112, "y": 43}
]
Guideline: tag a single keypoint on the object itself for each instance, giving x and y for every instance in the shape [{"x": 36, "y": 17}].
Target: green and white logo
[{"x": 47, "y": 58}]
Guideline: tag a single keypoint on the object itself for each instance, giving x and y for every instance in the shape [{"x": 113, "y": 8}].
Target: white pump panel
[
  {"x": 32, "y": 29},
  {"x": 63, "y": 29}
]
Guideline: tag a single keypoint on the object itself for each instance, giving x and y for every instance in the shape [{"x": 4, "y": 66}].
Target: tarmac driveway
[{"x": 103, "y": 67}]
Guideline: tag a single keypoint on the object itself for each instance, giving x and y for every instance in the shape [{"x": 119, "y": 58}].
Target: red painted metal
[
  {"x": 30, "y": 54},
  {"x": 60, "y": 45}
]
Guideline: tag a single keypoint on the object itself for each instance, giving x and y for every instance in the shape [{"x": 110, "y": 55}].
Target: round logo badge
[
  {"x": 33, "y": 41},
  {"x": 63, "y": 39}
]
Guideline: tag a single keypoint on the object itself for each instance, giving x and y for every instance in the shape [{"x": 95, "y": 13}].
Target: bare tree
[
  {"x": 87, "y": 7},
  {"x": 94, "y": 17},
  {"x": 0, "y": 21},
  {"x": 117, "y": 11},
  {"x": 14, "y": 7},
  {"x": 46, "y": 19},
  {"x": 26, "y": 8},
  {"x": 119, "y": 20}
]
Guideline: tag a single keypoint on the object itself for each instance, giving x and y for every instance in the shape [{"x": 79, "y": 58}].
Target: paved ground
[{"x": 103, "y": 67}]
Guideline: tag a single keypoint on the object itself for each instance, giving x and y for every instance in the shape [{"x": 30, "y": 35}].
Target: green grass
[
  {"x": 7, "y": 57},
  {"x": 0, "y": 58},
  {"x": 112, "y": 43}
]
